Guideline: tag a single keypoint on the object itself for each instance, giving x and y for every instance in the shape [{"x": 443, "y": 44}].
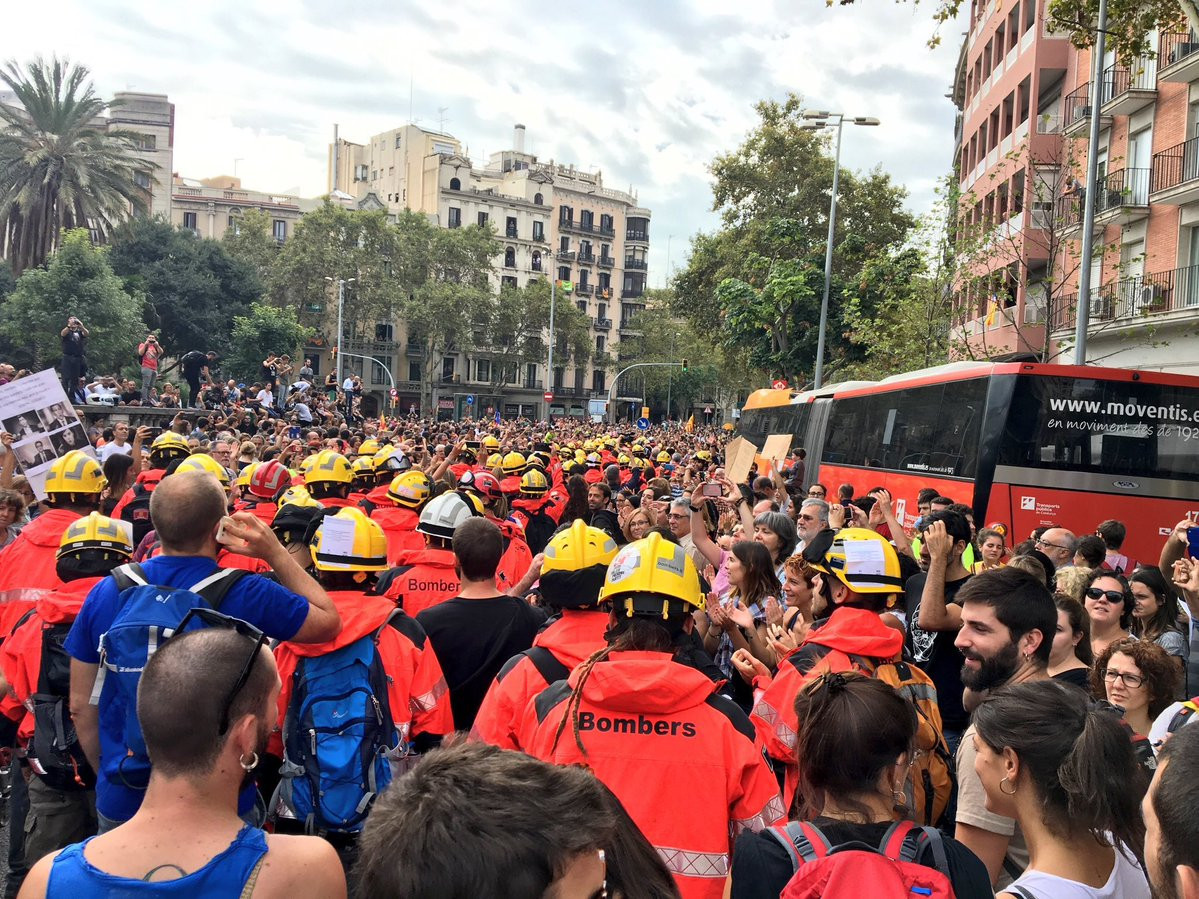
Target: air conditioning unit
[
  {"x": 1101, "y": 306},
  {"x": 1150, "y": 298}
]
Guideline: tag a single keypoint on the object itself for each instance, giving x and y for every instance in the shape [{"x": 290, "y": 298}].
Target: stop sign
[{"x": 547, "y": 396}]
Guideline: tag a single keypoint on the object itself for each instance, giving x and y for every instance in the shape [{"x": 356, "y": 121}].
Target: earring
[
  {"x": 250, "y": 765},
  {"x": 1010, "y": 784}
]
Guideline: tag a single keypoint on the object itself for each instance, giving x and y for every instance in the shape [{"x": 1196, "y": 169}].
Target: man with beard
[
  {"x": 207, "y": 703},
  {"x": 1008, "y": 621}
]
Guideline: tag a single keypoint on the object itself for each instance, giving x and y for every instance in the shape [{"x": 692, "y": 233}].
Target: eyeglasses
[
  {"x": 1115, "y": 597},
  {"x": 807, "y": 517},
  {"x": 213, "y": 618},
  {"x": 1047, "y": 543},
  {"x": 1132, "y": 681}
]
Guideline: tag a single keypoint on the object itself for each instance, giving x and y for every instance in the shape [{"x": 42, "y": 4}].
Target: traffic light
[{"x": 684, "y": 365}]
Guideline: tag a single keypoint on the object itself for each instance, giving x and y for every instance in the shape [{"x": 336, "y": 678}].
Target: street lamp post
[
  {"x": 1083, "y": 316},
  {"x": 549, "y": 368},
  {"x": 814, "y": 121},
  {"x": 341, "y": 302}
]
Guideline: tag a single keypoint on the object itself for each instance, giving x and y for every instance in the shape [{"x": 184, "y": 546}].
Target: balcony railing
[
  {"x": 1177, "y": 56},
  {"x": 1120, "y": 189},
  {"x": 637, "y": 235},
  {"x": 578, "y": 227},
  {"x": 631, "y": 262},
  {"x": 632, "y": 293},
  {"x": 607, "y": 261},
  {"x": 1077, "y": 106},
  {"x": 1127, "y": 88},
  {"x": 1175, "y": 166},
  {"x": 584, "y": 290},
  {"x": 1047, "y": 123},
  {"x": 1131, "y": 299},
  {"x": 606, "y": 231},
  {"x": 603, "y": 324},
  {"x": 586, "y": 258},
  {"x": 565, "y": 256},
  {"x": 511, "y": 232}
]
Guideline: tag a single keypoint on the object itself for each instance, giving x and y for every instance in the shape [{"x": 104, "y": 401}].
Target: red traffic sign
[
  {"x": 394, "y": 392},
  {"x": 548, "y": 396},
  {"x": 779, "y": 384}
]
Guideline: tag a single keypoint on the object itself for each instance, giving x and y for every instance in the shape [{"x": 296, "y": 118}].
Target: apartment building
[
  {"x": 1010, "y": 151},
  {"x": 210, "y": 206},
  {"x": 152, "y": 117},
  {"x": 552, "y": 220}
]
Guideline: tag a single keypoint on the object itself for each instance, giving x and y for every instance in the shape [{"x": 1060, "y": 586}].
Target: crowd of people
[{"x": 411, "y": 658}]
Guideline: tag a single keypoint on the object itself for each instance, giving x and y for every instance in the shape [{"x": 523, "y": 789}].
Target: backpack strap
[
  {"x": 1184, "y": 712},
  {"x": 547, "y": 664},
  {"x": 1020, "y": 891},
  {"x": 217, "y": 585},
  {"x": 804, "y": 842},
  {"x": 129, "y": 575},
  {"x": 367, "y": 507},
  {"x": 895, "y": 844}
]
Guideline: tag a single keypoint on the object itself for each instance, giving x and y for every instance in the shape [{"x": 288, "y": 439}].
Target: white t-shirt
[
  {"x": 113, "y": 449},
  {"x": 266, "y": 398},
  {"x": 1161, "y": 724},
  {"x": 1127, "y": 881}
]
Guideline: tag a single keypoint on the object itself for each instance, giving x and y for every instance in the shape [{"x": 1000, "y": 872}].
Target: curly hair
[{"x": 1161, "y": 672}]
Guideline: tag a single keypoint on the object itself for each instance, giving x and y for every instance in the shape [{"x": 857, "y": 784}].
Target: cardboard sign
[
  {"x": 777, "y": 446},
  {"x": 738, "y": 458}
]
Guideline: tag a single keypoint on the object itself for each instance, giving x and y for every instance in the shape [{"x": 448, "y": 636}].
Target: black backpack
[
  {"x": 137, "y": 512},
  {"x": 54, "y": 753},
  {"x": 538, "y": 531}
]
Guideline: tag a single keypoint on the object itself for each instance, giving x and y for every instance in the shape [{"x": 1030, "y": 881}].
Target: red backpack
[{"x": 856, "y": 869}]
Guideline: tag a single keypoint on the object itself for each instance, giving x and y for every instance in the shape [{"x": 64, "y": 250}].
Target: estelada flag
[{"x": 690, "y": 426}]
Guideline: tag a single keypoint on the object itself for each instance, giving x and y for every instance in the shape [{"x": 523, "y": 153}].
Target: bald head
[
  {"x": 185, "y": 510},
  {"x": 1060, "y": 545}
]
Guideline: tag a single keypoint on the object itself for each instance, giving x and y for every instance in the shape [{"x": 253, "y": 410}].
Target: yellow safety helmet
[
  {"x": 534, "y": 483},
  {"x": 637, "y": 462},
  {"x": 391, "y": 459},
  {"x": 329, "y": 467},
  {"x": 663, "y": 457},
  {"x": 638, "y": 449},
  {"x": 622, "y": 460},
  {"x": 588, "y": 446},
  {"x": 365, "y": 551},
  {"x": 580, "y": 456},
  {"x": 203, "y": 462},
  {"x": 97, "y": 532},
  {"x": 539, "y": 460},
  {"x": 491, "y": 442},
  {"x": 297, "y": 495},
  {"x": 368, "y": 447},
  {"x": 593, "y": 459},
  {"x": 243, "y": 476},
  {"x": 860, "y": 574},
  {"x": 565, "y": 452},
  {"x": 704, "y": 456},
  {"x": 650, "y": 575},
  {"x": 363, "y": 468},
  {"x": 167, "y": 446},
  {"x": 514, "y": 463},
  {"x": 410, "y": 489},
  {"x": 577, "y": 547},
  {"x": 76, "y": 472}
]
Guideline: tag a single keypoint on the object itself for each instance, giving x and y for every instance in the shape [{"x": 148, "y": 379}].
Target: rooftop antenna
[{"x": 441, "y": 111}]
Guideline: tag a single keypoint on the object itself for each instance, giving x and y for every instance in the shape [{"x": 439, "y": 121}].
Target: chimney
[{"x": 518, "y": 138}]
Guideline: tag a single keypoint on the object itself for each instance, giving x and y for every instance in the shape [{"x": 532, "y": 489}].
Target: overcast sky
[{"x": 647, "y": 92}]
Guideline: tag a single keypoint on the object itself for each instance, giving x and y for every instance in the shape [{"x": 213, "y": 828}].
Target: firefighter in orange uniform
[
  {"x": 517, "y": 557},
  {"x": 425, "y": 577},
  {"x": 572, "y": 575},
  {"x": 683, "y": 760},
  {"x": 399, "y": 513},
  {"x": 328, "y": 478}
]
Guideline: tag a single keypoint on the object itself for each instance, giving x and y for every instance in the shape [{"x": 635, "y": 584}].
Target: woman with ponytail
[{"x": 1064, "y": 768}]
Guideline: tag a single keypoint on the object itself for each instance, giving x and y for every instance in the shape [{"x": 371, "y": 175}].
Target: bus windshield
[{"x": 1107, "y": 427}]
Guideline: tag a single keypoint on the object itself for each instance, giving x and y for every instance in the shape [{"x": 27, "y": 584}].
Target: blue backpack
[
  {"x": 337, "y": 734},
  {"x": 147, "y": 616}
]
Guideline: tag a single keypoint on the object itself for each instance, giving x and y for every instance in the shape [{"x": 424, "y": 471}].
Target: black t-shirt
[
  {"x": 472, "y": 639},
  {"x": 130, "y": 395},
  {"x": 762, "y": 867},
  {"x": 1079, "y": 677},
  {"x": 935, "y": 653},
  {"x": 73, "y": 343},
  {"x": 193, "y": 363}
]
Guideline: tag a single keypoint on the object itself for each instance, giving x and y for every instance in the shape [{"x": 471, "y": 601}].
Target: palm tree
[{"x": 61, "y": 167}]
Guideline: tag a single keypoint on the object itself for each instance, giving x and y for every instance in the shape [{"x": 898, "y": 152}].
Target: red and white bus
[{"x": 1024, "y": 444}]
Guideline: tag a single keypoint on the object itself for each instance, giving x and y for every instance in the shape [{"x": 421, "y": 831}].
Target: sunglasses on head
[
  {"x": 203, "y": 617},
  {"x": 1115, "y": 597}
]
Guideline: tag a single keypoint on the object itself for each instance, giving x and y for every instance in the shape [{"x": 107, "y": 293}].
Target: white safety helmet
[{"x": 442, "y": 514}]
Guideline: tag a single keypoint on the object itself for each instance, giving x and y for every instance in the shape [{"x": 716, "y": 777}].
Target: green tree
[
  {"x": 251, "y": 242},
  {"x": 60, "y": 167},
  {"x": 261, "y": 330},
  {"x": 78, "y": 281},
  {"x": 512, "y": 331},
  {"x": 193, "y": 287},
  {"x": 332, "y": 242},
  {"x": 759, "y": 272},
  {"x": 442, "y": 275}
]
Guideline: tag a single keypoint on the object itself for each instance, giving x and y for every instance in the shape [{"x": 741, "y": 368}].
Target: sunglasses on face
[
  {"x": 1115, "y": 597},
  {"x": 212, "y": 618}
]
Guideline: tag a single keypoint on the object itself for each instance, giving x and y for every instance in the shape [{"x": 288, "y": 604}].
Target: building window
[
  {"x": 531, "y": 375},
  {"x": 142, "y": 180},
  {"x": 510, "y": 226},
  {"x": 384, "y": 333},
  {"x": 482, "y": 219},
  {"x": 510, "y": 257},
  {"x": 566, "y": 215},
  {"x": 374, "y": 174},
  {"x": 603, "y": 311},
  {"x": 455, "y": 217},
  {"x": 189, "y": 221},
  {"x": 360, "y": 172},
  {"x": 447, "y": 368},
  {"x": 597, "y": 381},
  {"x": 605, "y": 281},
  {"x": 586, "y": 219},
  {"x": 455, "y": 184},
  {"x": 605, "y": 225},
  {"x": 599, "y": 345},
  {"x": 414, "y": 373},
  {"x": 234, "y": 224},
  {"x": 582, "y": 304},
  {"x": 538, "y": 231},
  {"x": 379, "y": 367},
  {"x": 397, "y": 140},
  {"x": 508, "y": 281},
  {"x": 147, "y": 142},
  {"x": 563, "y": 273},
  {"x": 583, "y": 277},
  {"x": 279, "y": 229},
  {"x": 483, "y": 370},
  {"x": 538, "y": 200},
  {"x": 564, "y": 245},
  {"x": 536, "y": 260}
]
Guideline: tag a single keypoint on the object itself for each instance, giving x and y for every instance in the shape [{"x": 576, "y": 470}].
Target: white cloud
[{"x": 647, "y": 92}]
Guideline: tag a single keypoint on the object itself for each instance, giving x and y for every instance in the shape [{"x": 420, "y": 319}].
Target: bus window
[{"x": 1107, "y": 427}]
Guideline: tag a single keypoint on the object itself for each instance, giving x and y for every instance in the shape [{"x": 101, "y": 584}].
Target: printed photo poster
[{"x": 36, "y": 412}]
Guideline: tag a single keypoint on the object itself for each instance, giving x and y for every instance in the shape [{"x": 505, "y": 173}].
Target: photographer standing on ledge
[
  {"x": 148, "y": 354},
  {"x": 74, "y": 355}
]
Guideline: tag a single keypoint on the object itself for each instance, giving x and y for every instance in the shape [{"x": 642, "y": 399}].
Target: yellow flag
[{"x": 690, "y": 426}]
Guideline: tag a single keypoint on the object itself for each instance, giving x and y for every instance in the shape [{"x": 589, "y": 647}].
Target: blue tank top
[{"x": 72, "y": 876}]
